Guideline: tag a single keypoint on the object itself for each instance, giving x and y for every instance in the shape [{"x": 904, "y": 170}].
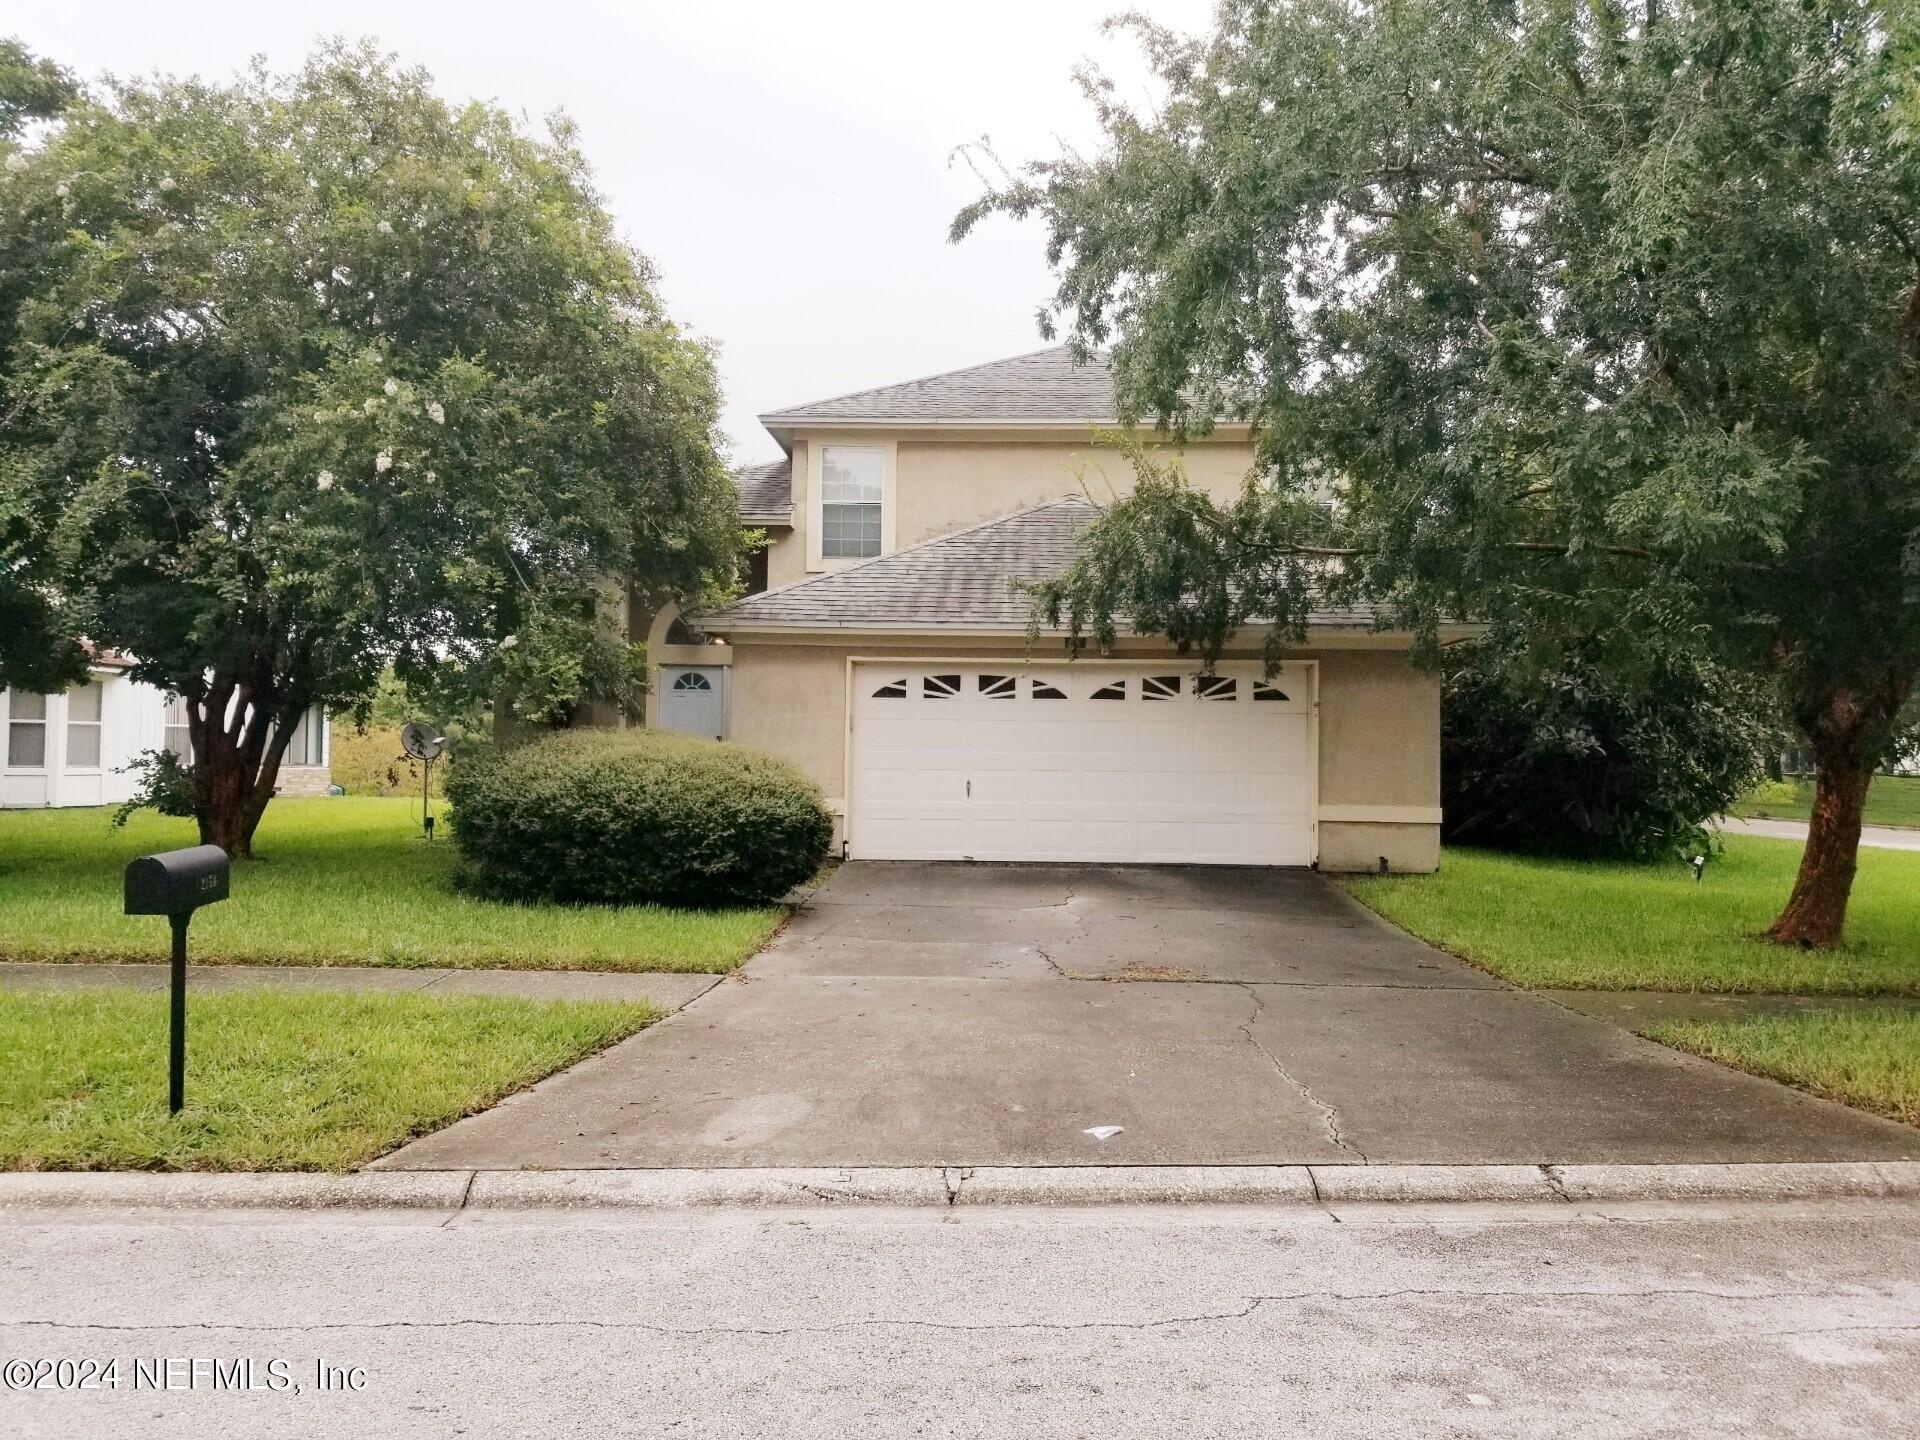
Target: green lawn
[
  {"x": 276, "y": 1079},
  {"x": 338, "y": 881},
  {"x": 1870, "y": 1059},
  {"x": 1891, "y": 800},
  {"x": 1596, "y": 926}
]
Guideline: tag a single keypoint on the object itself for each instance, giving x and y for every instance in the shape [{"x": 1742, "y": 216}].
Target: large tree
[
  {"x": 310, "y": 376},
  {"x": 1591, "y": 316},
  {"x": 37, "y": 650}
]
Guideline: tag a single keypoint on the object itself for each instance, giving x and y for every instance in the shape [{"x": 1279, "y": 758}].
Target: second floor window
[{"x": 850, "y": 481}]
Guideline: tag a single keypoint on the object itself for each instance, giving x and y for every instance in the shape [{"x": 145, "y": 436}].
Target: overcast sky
[{"x": 785, "y": 164}]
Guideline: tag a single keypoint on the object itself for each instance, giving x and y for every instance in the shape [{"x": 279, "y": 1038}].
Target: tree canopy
[
  {"x": 1597, "y": 318},
  {"x": 304, "y": 377},
  {"x": 36, "y": 647}
]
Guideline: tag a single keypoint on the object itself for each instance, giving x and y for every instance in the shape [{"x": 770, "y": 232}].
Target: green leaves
[
  {"x": 304, "y": 377},
  {"x": 30, "y": 88},
  {"x": 1591, "y": 324},
  {"x": 1562, "y": 749}
]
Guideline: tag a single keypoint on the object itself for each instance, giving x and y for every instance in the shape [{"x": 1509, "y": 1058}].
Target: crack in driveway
[{"x": 1329, "y": 1116}]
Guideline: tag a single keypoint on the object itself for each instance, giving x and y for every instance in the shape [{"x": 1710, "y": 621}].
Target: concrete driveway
[{"x": 918, "y": 1014}]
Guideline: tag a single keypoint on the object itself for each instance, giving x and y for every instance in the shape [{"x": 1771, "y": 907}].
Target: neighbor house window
[
  {"x": 83, "y": 727},
  {"x": 850, "y": 478},
  {"x": 178, "y": 741},
  {"x": 26, "y": 730},
  {"x": 308, "y": 745}
]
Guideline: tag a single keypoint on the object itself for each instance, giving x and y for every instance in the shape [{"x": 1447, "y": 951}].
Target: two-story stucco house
[{"x": 889, "y": 655}]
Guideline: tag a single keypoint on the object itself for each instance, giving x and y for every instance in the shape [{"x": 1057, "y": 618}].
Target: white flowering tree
[{"x": 310, "y": 376}]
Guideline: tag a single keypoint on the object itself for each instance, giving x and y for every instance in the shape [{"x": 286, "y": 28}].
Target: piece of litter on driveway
[{"x": 1103, "y": 1132}]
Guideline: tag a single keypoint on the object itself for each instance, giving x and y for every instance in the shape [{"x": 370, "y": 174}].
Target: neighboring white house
[{"x": 73, "y": 748}]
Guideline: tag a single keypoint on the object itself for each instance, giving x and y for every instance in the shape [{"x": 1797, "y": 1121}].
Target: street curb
[
  {"x": 1897, "y": 1178},
  {"x": 698, "y": 1189},
  {"x": 122, "y": 1190},
  {"x": 934, "y": 1187},
  {"x": 1134, "y": 1185}
]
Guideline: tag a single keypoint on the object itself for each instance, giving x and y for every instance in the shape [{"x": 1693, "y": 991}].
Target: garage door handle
[{"x": 969, "y": 789}]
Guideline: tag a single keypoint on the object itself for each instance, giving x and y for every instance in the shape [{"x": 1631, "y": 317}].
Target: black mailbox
[{"x": 176, "y": 882}]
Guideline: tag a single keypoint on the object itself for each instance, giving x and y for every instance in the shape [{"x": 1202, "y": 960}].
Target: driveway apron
[{"x": 932, "y": 1014}]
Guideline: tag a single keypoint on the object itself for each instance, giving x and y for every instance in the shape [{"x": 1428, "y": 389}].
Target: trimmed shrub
[
  {"x": 1573, "y": 754},
  {"x": 631, "y": 816}
]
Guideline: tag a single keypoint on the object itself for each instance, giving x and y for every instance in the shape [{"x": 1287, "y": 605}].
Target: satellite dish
[{"x": 422, "y": 741}]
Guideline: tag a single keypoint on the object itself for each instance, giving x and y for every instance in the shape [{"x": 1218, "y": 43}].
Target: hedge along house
[
  {"x": 73, "y": 748},
  {"x": 890, "y": 657}
]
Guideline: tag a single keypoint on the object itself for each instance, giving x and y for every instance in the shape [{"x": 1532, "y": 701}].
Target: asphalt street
[{"x": 1753, "y": 1319}]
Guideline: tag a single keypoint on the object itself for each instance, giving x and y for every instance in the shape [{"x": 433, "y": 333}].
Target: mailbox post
[{"x": 175, "y": 883}]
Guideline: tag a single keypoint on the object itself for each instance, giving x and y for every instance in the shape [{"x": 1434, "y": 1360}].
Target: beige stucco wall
[
  {"x": 944, "y": 484},
  {"x": 787, "y": 552},
  {"x": 1347, "y": 846},
  {"x": 1379, "y": 729}
]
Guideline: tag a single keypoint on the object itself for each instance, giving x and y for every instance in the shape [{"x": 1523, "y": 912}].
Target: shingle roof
[
  {"x": 1043, "y": 386},
  {"x": 766, "y": 492},
  {"x": 964, "y": 581}
]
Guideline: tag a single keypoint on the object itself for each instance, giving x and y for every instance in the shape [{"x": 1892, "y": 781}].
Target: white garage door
[{"x": 978, "y": 761}]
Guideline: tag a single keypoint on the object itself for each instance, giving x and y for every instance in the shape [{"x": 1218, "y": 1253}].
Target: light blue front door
[{"x": 693, "y": 700}]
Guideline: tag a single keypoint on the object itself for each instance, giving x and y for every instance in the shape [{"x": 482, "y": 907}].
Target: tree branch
[{"x": 1550, "y": 547}]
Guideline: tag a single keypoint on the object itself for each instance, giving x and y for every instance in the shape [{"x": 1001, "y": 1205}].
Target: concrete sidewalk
[
  {"x": 664, "y": 991},
  {"x": 1873, "y": 837}
]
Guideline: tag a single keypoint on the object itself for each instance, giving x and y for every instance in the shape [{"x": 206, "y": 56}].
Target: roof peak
[{"x": 1043, "y": 385}]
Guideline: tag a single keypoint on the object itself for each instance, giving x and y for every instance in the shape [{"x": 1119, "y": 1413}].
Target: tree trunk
[
  {"x": 1816, "y": 912},
  {"x": 1848, "y": 726},
  {"x": 236, "y": 760},
  {"x": 231, "y": 804}
]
